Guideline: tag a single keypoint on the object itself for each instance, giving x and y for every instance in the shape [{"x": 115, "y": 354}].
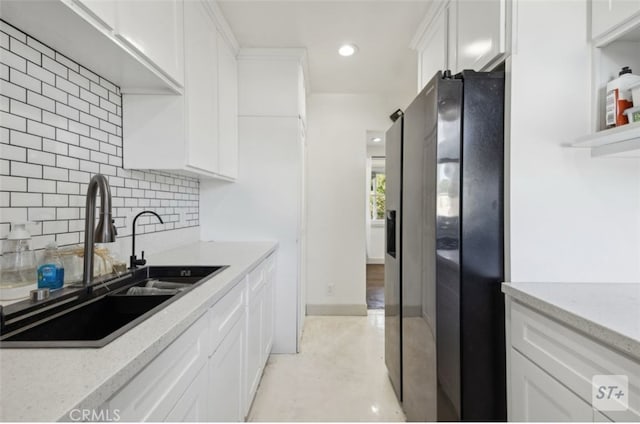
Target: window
[{"x": 377, "y": 194}]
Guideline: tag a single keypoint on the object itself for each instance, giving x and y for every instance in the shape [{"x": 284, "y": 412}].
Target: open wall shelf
[{"x": 621, "y": 141}]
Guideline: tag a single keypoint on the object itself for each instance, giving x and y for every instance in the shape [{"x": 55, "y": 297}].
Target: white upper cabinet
[
  {"x": 197, "y": 132},
  {"x": 607, "y": 15},
  {"x": 103, "y": 10},
  {"x": 481, "y": 34},
  {"x": 154, "y": 29},
  {"x": 432, "y": 50},
  {"x": 227, "y": 108},
  {"x": 201, "y": 91}
]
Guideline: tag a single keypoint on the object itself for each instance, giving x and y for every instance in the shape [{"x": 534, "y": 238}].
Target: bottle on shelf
[{"x": 619, "y": 97}]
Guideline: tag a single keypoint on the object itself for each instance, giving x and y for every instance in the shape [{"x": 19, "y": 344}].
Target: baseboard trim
[
  {"x": 375, "y": 261},
  {"x": 339, "y": 310}
]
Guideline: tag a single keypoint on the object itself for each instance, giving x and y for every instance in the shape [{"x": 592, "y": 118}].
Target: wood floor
[{"x": 375, "y": 286}]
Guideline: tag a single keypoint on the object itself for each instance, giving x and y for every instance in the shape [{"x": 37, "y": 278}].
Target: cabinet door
[
  {"x": 201, "y": 87},
  {"x": 481, "y": 33},
  {"x": 193, "y": 405},
  {"x": 433, "y": 50},
  {"x": 226, "y": 383},
  {"x": 227, "y": 109},
  {"x": 607, "y": 14},
  {"x": 267, "y": 319},
  {"x": 254, "y": 344},
  {"x": 536, "y": 396},
  {"x": 103, "y": 10},
  {"x": 155, "y": 29}
]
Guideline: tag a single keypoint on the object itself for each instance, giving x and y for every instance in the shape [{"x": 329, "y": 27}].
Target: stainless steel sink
[{"x": 95, "y": 317}]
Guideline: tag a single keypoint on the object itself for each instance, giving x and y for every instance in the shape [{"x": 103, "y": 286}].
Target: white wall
[
  {"x": 336, "y": 196},
  {"x": 573, "y": 218}
]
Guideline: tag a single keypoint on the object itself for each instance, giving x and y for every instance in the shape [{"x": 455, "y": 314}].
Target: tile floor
[{"x": 339, "y": 375}]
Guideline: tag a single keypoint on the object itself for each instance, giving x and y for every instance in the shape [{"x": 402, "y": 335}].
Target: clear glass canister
[{"x": 18, "y": 260}]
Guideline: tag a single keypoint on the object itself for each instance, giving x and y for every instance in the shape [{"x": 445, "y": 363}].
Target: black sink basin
[{"x": 93, "y": 318}]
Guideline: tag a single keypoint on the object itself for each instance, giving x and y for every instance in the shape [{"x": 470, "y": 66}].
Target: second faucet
[{"x": 134, "y": 262}]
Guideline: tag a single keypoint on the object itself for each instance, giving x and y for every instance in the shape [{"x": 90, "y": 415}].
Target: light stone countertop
[
  {"x": 607, "y": 312},
  {"x": 46, "y": 384}
]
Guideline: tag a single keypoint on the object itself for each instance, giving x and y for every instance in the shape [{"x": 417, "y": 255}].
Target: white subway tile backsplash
[
  {"x": 32, "y": 42},
  {"x": 54, "y": 93},
  {"x": 99, "y": 157},
  {"x": 91, "y": 120},
  {"x": 4, "y": 40},
  {"x": 87, "y": 73},
  {"x": 23, "y": 50},
  {"x": 41, "y": 186},
  {"x": 100, "y": 91},
  {"x": 13, "y": 184},
  {"x": 79, "y": 104},
  {"x": 42, "y": 102},
  {"x": 58, "y": 174},
  {"x": 89, "y": 97},
  {"x": 67, "y": 62},
  {"x": 13, "y": 214},
  {"x": 100, "y": 113},
  {"x": 25, "y": 140},
  {"x": 67, "y": 162},
  {"x": 55, "y": 227},
  {"x": 89, "y": 143},
  {"x": 79, "y": 128},
  {"x": 40, "y": 73},
  {"x": 5, "y": 167},
  {"x": 89, "y": 166},
  {"x": 67, "y": 112},
  {"x": 61, "y": 124},
  {"x": 43, "y": 130},
  {"x": 78, "y": 79},
  {"x": 54, "y": 146},
  {"x": 13, "y": 122},
  {"x": 12, "y": 90},
  {"x": 55, "y": 67},
  {"x": 13, "y": 60},
  {"x": 26, "y": 170},
  {"x": 67, "y": 86},
  {"x": 24, "y": 80},
  {"x": 67, "y": 137},
  {"x": 26, "y": 199},
  {"x": 4, "y": 71},
  {"x": 57, "y": 200},
  {"x": 41, "y": 158},
  {"x": 78, "y": 152},
  {"x": 67, "y": 238},
  {"x": 25, "y": 110}
]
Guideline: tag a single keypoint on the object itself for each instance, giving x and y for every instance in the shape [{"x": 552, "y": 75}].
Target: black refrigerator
[{"x": 444, "y": 262}]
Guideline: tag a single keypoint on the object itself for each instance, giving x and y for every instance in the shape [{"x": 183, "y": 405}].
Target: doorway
[{"x": 376, "y": 189}]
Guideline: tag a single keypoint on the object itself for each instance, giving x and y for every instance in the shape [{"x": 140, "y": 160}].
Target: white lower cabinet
[
  {"x": 193, "y": 406},
  {"x": 203, "y": 375},
  {"x": 226, "y": 376},
  {"x": 538, "y": 397},
  {"x": 551, "y": 367}
]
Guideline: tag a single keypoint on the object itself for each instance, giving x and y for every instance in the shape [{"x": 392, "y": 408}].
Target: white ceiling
[{"x": 382, "y": 30}]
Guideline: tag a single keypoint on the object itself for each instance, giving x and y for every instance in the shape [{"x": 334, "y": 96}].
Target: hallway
[{"x": 339, "y": 375}]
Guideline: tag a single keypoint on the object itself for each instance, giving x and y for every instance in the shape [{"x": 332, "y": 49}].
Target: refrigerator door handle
[{"x": 391, "y": 233}]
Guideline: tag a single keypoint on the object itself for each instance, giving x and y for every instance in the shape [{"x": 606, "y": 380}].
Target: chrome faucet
[{"x": 105, "y": 231}]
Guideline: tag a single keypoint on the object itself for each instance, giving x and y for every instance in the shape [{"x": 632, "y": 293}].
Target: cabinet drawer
[
  {"x": 155, "y": 390},
  {"x": 572, "y": 357},
  {"x": 225, "y": 313}
]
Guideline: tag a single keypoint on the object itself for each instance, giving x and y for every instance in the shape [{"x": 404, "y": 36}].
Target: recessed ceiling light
[
  {"x": 376, "y": 139},
  {"x": 347, "y": 50}
]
